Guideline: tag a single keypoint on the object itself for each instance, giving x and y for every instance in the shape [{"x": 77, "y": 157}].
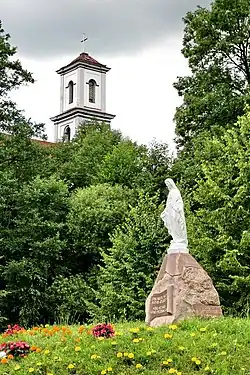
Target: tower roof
[{"x": 85, "y": 60}]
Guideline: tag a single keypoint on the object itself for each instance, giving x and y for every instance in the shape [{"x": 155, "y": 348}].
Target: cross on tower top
[{"x": 84, "y": 39}]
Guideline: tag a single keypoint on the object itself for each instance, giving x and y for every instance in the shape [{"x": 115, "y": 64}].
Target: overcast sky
[{"x": 139, "y": 39}]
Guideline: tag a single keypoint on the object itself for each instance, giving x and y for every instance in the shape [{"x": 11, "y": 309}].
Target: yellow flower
[
  {"x": 101, "y": 338},
  {"x": 130, "y": 355},
  {"x": 118, "y": 334},
  {"x": 94, "y": 356},
  {"x": 134, "y": 330},
  {"x": 172, "y": 371},
  {"x": 103, "y": 372},
  {"x": 192, "y": 334},
  {"x": 169, "y": 360},
  {"x": 149, "y": 353},
  {"x": 165, "y": 363},
  {"x": 196, "y": 360},
  {"x": 173, "y": 327},
  {"x": 17, "y": 367},
  {"x": 207, "y": 368},
  {"x": 139, "y": 365},
  {"x": 168, "y": 336},
  {"x": 46, "y": 351},
  {"x": 39, "y": 363},
  {"x": 181, "y": 348},
  {"x": 203, "y": 329},
  {"x": 136, "y": 340},
  {"x": 223, "y": 353},
  {"x": 125, "y": 354},
  {"x": 140, "y": 339},
  {"x": 150, "y": 329},
  {"x": 70, "y": 366},
  {"x": 119, "y": 355},
  {"x": 109, "y": 369},
  {"x": 113, "y": 343},
  {"x": 31, "y": 369},
  {"x": 178, "y": 373},
  {"x": 77, "y": 349}
]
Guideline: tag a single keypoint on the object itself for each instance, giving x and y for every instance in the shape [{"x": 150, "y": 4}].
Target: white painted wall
[
  {"x": 80, "y": 78},
  {"x": 72, "y": 76},
  {"x": 97, "y": 77},
  {"x": 73, "y": 124},
  {"x": 63, "y": 125}
]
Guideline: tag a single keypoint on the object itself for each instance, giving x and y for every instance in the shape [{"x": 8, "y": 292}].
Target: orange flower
[
  {"x": 38, "y": 350},
  {"x": 56, "y": 329},
  {"x": 81, "y": 329},
  {"x": 4, "y": 360},
  {"x": 33, "y": 348},
  {"x": 10, "y": 356},
  {"x": 77, "y": 339}
]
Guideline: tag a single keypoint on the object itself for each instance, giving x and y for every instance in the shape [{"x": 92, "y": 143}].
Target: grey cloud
[{"x": 49, "y": 28}]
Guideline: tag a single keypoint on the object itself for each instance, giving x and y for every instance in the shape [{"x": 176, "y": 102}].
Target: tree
[
  {"x": 131, "y": 264},
  {"x": 33, "y": 243},
  {"x": 217, "y": 45},
  {"x": 13, "y": 76},
  {"x": 94, "y": 213},
  {"x": 79, "y": 162},
  {"x": 124, "y": 165},
  {"x": 219, "y": 219}
]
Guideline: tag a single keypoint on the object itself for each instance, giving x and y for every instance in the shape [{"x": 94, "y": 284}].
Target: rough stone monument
[{"x": 182, "y": 288}]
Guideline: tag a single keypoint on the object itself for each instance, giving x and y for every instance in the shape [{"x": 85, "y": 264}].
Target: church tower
[{"x": 82, "y": 96}]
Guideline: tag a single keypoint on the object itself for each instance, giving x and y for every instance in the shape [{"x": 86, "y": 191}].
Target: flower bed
[{"x": 219, "y": 346}]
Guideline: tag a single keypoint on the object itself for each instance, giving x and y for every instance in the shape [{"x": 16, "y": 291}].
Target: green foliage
[
  {"x": 69, "y": 298},
  {"x": 219, "y": 216},
  {"x": 33, "y": 245},
  {"x": 216, "y": 45},
  {"x": 130, "y": 265},
  {"x": 81, "y": 163},
  {"x": 12, "y": 77},
  {"x": 94, "y": 213},
  {"x": 124, "y": 164}
]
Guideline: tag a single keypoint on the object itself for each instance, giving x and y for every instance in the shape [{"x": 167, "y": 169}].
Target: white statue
[{"x": 174, "y": 219}]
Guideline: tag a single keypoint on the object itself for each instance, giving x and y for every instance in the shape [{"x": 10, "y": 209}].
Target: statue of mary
[{"x": 174, "y": 219}]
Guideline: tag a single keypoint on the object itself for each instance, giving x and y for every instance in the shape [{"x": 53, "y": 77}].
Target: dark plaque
[{"x": 159, "y": 304}]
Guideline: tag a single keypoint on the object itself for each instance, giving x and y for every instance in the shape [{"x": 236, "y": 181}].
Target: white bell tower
[{"x": 82, "y": 96}]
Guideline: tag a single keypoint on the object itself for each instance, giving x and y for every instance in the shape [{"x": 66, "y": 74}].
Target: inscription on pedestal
[
  {"x": 207, "y": 310},
  {"x": 159, "y": 305}
]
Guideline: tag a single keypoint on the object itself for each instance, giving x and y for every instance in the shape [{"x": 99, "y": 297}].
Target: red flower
[
  {"x": 103, "y": 330},
  {"x": 19, "y": 348},
  {"x": 13, "y": 329}
]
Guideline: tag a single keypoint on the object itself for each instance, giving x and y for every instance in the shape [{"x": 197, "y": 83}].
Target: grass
[{"x": 218, "y": 346}]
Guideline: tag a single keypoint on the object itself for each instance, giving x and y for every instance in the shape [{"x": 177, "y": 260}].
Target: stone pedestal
[{"x": 182, "y": 289}]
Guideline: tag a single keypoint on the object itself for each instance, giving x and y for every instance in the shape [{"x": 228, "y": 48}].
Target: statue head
[{"x": 170, "y": 184}]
